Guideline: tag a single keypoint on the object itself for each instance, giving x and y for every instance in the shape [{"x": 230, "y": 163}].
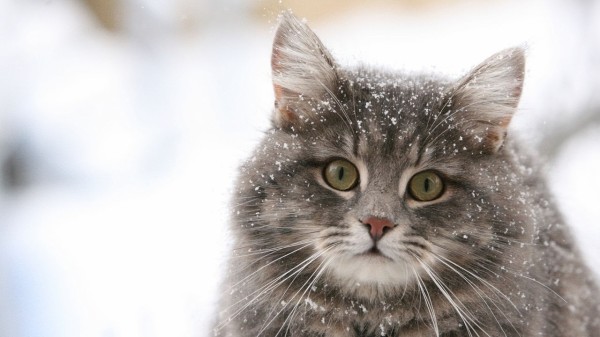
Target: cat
[{"x": 391, "y": 204}]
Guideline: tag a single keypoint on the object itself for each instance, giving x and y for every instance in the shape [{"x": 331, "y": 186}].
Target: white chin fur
[{"x": 372, "y": 271}]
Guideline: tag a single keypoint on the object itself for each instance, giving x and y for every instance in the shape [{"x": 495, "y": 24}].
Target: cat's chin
[{"x": 365, "y": 273}]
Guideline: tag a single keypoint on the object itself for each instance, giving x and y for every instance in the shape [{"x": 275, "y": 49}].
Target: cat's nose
[{"x": 377, "y": 226}]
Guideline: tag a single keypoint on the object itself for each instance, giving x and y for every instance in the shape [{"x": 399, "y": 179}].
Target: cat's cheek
[{"x": 353, "y": 238}]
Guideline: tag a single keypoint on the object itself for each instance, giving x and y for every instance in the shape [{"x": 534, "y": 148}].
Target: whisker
[
  {"x": 480, "y": 292},
  {"x": 268, "y": 264},
  {"x": 265, "y": 326},
  {"x": 461, "y": 109},
  {"x": 488, "y": 284},
  {"x": 318, "y": 272},
  {"x": 347, "y": 119},
  {"x": 463, "y": 312},
  {"x": 543, "y": 285},
  {"x": 269, "y": 286},
  {"x": 428, "y": 303}
]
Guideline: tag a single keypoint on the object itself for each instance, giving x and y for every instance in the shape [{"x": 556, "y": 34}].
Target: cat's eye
[
  {"x": 341, "y": 175},
  {"x": 426, "y": 186}
]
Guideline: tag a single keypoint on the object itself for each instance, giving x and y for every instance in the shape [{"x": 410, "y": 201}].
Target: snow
[{"x": 133, "y": 142}]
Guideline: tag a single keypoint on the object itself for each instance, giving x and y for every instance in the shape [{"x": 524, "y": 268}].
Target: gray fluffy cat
[{"x": 388, "y": 204}]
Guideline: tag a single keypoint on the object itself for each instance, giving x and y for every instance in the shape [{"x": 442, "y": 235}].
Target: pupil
[
  {"x": 341, "y": 173},
  {"x": 426, "y": 183}
]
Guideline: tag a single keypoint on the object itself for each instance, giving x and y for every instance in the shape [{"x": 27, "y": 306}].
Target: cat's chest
[{"x": 332, "y": 316}]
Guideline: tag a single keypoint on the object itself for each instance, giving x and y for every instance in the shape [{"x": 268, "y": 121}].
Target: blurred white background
[{"x": 122, "y": 123}]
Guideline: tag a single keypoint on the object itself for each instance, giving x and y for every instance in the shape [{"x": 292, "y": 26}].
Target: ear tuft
[
  {"x": 302, "y": 69},
  {"x": 485, "y": 100}
]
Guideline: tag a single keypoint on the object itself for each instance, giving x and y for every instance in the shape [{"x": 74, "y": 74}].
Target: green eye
[
  {"x": 426, "y": 186},
  {"x": 341, "y": 174}
]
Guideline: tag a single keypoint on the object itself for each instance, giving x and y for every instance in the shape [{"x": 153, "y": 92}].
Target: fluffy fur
[{"x": 490, "y": 257}]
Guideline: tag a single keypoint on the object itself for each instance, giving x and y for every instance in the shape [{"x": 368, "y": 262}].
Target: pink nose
[{"x": 377, "y": 226}]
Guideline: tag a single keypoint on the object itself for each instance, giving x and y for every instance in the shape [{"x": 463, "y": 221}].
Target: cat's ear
[
  {"x": 485, "y": 100},
  {"x": 303, "y": 70}
]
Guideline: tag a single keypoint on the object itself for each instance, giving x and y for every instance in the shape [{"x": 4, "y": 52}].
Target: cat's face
[
  {"x": 392, "y": 197},
  {"x": 377, "y": 179}
]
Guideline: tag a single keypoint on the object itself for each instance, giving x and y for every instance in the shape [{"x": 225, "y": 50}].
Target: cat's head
[{"x": 375, "y": 178}]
